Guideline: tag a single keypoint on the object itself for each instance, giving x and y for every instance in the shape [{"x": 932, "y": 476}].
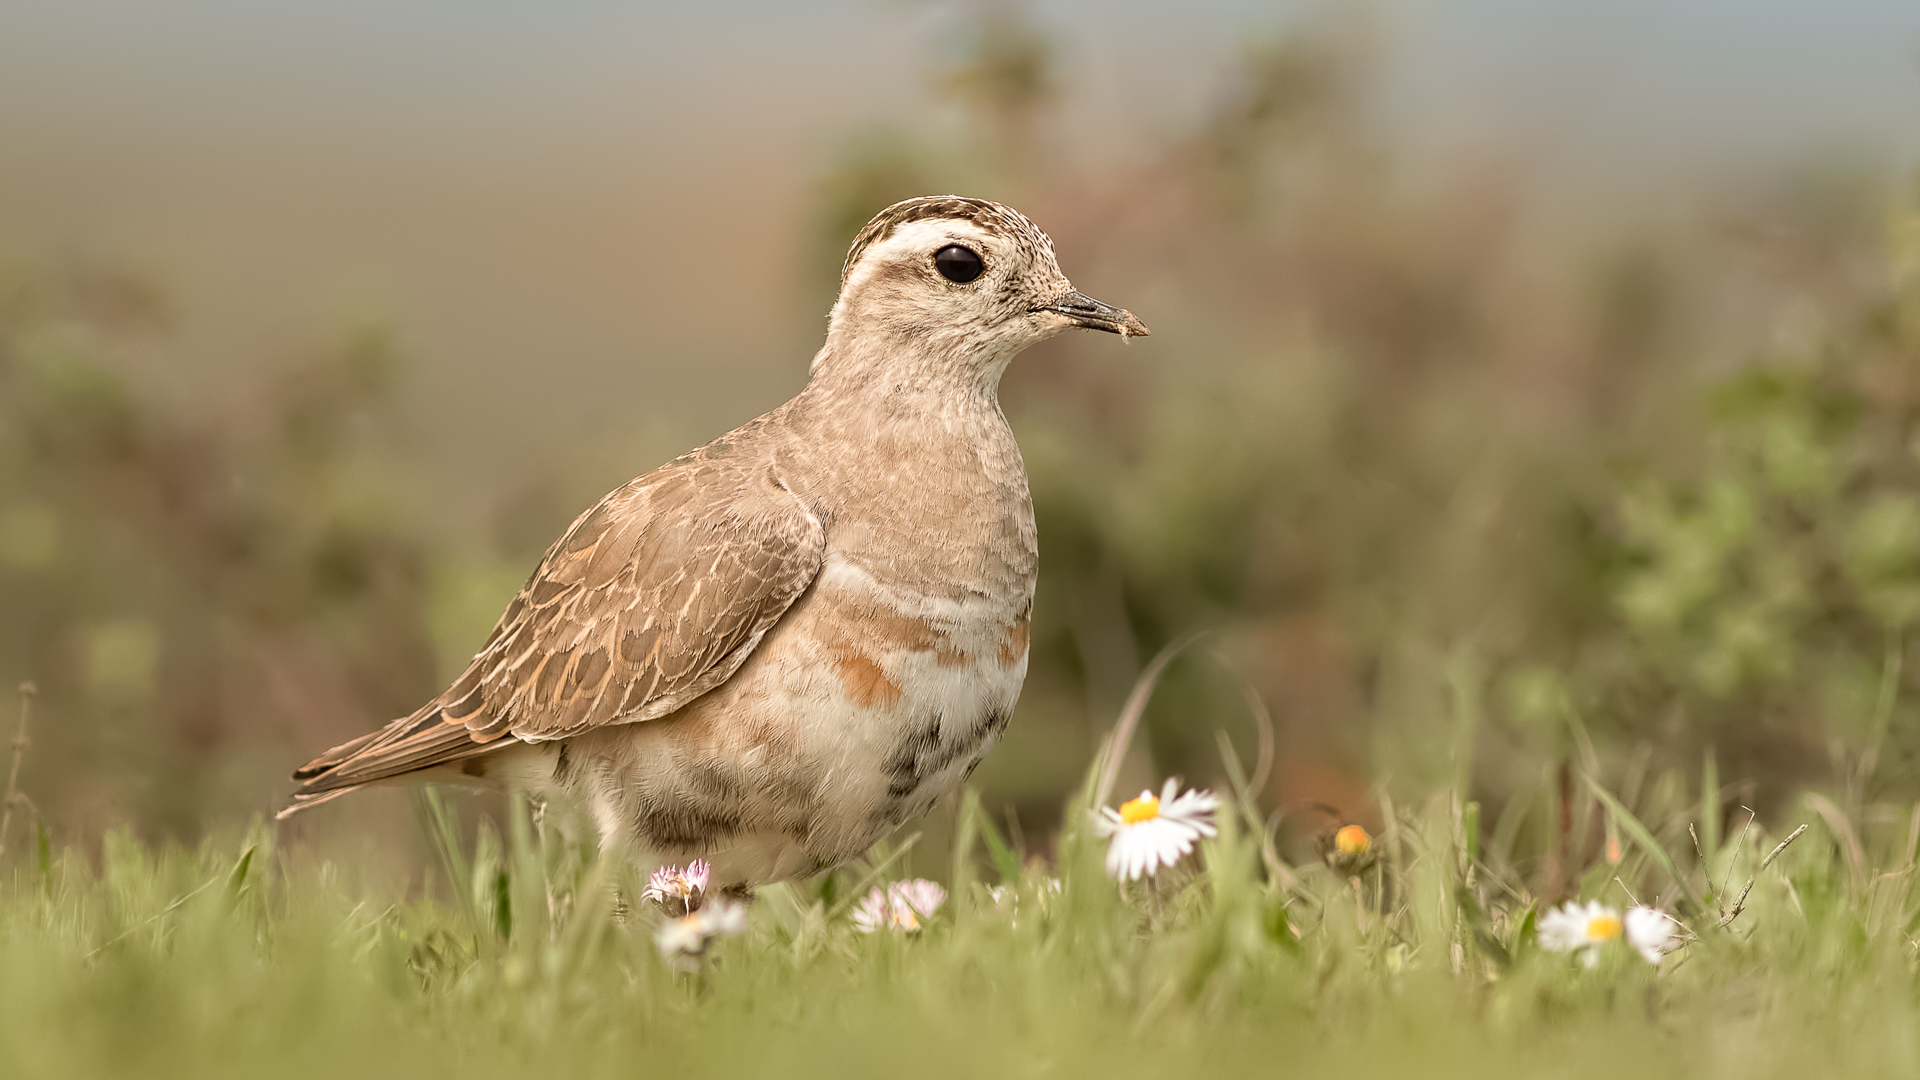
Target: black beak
[{"x": 1087, "y": 312}]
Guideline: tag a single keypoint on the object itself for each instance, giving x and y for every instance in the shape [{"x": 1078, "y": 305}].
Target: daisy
[
  {"x": 1349, "y": 851},
  {"x": 1153, "y": 831},
  {"x": 1579, "y": 928},
  {"x": 1652, "y": 933},
  {"x": 683, "y": 941},
  {"x": 678, "y": 890},
  {"x": 1352, "y": 840},
  {"x": 1586, "y": 928},
  {"x": 901, "y": 908}
]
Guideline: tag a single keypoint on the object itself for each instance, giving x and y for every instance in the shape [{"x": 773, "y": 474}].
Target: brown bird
[{"x": 772, "y": 650}]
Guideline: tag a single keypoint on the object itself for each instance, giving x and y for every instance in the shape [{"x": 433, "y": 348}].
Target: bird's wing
[
  {"x": 655, "y": 596},
  {"x": 652, "y": 598}
]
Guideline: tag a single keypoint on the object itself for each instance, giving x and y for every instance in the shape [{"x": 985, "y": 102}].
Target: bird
[{"x": 773, "y": 650}]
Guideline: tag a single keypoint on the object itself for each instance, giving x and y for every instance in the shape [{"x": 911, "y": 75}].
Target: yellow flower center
[
  {"x": 1603, "y": 928},
  {"x": 1352, "y": 840},
  {"x": 1144, "y": 808}
]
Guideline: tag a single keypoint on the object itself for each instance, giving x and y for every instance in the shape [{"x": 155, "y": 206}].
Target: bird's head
[{"x": 955, "y": 286}]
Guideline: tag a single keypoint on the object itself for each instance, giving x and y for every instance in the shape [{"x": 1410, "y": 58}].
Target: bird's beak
[{"x": 1087, "y": 312}]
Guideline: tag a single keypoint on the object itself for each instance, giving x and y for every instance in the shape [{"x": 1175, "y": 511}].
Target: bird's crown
[{"x": 990, "y": 217}]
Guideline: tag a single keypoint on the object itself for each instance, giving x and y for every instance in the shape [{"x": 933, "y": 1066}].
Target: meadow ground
[{"x": 239, "y": 960}]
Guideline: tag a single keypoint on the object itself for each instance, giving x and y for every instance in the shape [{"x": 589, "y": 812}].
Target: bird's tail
[
  {"x": 303, "y": 801},
  {"x": 412, "y": 744}
]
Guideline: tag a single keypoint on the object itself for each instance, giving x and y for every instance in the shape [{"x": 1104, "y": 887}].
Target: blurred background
[{"x": 1533, "y": 388}]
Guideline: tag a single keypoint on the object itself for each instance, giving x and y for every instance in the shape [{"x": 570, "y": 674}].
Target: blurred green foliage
[
  {"x": 192, "y": 600},
  {"x": 1774, "y": 583}
]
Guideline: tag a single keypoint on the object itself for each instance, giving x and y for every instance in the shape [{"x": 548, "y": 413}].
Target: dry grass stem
[
  {"x": 1741, "y": 904},
  {"x": 1728, "y": 880},
  {"x": 21, "y": 741},
  {"x": 1134, "y": 709}
]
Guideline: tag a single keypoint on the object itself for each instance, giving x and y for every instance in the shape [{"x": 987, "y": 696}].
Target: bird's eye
[{"x": 958, "y": 264}]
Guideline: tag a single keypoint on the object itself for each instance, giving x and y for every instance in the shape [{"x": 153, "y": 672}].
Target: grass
[{"x": 247, "y": 961}]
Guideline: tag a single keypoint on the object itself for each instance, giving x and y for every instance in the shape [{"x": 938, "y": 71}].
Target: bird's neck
[
  {"x": 947, "y": 365},
  {"x": 902, "y": 402}
]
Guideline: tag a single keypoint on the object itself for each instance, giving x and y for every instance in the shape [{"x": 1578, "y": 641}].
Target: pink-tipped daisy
[
  {"x": 678, "y": 890},
  {"x": 903, "y": 907},
  {"x": 1153, "y": 831}
]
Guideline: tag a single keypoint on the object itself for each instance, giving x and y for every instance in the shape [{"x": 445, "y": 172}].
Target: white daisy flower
[
  {"x": 678, "y": 890},
  {"x": 683, "y": 941},
  {"x": 1652, "y": 933},
  {"x": 901, "y": 908},
  {"x": 1579, "y": 928},
  {"x": 1585, "y": 928},
  {"x": 1153, "y": 831}
]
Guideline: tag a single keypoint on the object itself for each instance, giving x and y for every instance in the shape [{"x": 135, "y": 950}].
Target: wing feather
[{"x": 653, "y": 597}]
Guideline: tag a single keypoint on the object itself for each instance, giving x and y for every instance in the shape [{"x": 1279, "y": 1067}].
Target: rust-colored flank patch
[
  {"x": 852, "y": 647},
  {"x": 1014, "y": 645},
  {"x": 863, "y": 682},
  {"x": 917, "y": 635}
]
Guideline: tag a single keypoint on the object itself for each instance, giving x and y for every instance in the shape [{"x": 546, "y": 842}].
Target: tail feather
[
  {"x": 336, "y": 755},
  {"x": 411, "y": 744},
  {"x": 307, "y": 802}
]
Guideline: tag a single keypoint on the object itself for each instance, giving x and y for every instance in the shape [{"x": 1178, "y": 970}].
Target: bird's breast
[
  {"x": 873, "y": 636},
  {"x": 911, "y": 691}
]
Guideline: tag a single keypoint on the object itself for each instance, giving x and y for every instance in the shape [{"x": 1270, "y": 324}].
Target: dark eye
[{"x": 958, "y": 264}]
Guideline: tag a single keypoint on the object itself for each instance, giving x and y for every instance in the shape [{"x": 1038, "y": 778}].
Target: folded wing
[{"x": 652, "y": 598}]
